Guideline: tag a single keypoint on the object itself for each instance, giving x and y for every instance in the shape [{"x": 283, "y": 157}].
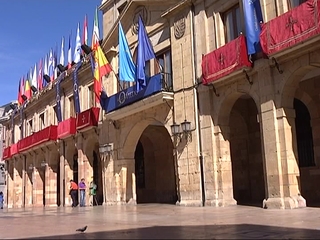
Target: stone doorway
[
  {"x": 154, "y": 167},
  {"x": 246, "y": 153},
  {"x": 305, "y": 151},
  {"x": 97, "y": 177}
]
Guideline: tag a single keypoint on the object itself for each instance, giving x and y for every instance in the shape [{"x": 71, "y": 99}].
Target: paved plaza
[{"x": 160, "y": 221}]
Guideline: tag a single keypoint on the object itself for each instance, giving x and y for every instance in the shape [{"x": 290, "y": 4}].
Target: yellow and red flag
[
  {"x": 27, "y": 89},
  {"x": 101, "y": 68}
]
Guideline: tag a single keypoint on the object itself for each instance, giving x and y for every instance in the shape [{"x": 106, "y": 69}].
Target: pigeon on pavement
[{"x": 82, "y": 229}]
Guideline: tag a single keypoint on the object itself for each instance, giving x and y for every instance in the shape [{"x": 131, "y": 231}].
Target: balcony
[
  {"x": 66, "y": 128},
  {"x": 38, "y": 139},
  {"x": 225, "y": 62},
  {"x": 6, "y": 153},
  {"x": 87, "y": 119},
  {"x": 293, "y": 32},
  {"x": 155, "y": 93}
]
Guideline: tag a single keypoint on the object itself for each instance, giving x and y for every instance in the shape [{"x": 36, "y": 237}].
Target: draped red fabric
[
  {"x": 88, "y": 118},
  {"x": 291, "y": 28},
  {"x": 14, "y": 149},
  {"x": 6, "y": 153},
  {"x": 66, "y": 128},
  {"x": 225, "y": 60},
  {"x": 37, "y": 138}
]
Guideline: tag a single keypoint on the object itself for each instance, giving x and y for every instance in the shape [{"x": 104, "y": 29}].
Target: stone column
[
  {"x": 28, "y": 183},
  {"x": 279, "y": 157},
  {"x": 62, "y": 159},
  {"x": 10, "y": 183},
  {"x": 126, "y": 186},
  {"x": 18, "y": 184},
  {"x": 222, "y": 170},
  {"x": 289, "y": 163}
]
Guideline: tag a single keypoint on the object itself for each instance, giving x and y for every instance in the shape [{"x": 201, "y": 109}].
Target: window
[
  {"x": 42, "y": 124},
  {"x": 91, "y": 97},
  {"x": 30, "y": 127},
  {"x": 232, "y": 23},
  {"x": 294, "y": 3},
  {"x": 71, "y": 107},
  {"x": 55, "y": 120},
  {"x": 163, "y": 65}
]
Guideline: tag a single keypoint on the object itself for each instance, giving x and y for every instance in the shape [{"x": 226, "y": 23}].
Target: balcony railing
[{"x": 161, "y": 82}]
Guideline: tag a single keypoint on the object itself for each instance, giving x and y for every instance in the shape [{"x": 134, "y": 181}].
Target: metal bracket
[
  {"x": 214, "y": 90},
  {"x": 277, "y": 65},
  {"x": 247, "y": 77}
]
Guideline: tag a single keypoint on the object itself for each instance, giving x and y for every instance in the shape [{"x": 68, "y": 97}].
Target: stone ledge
[
  {"x": 221, "y": 203},
  {"x": 189, "y": 203},
  {"x": 285, "y": 203}
]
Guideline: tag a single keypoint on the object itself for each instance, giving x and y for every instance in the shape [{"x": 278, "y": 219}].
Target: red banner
[
  {"x": 88, "y": 118},
  {"x": 14, "y": 149},
  {"x": 225, "y": 60},
  {"x": 6, "y": 153},
  {"x": 66, "y": 128},
  {"x": 291, "y": 28},
  {"x": 37, "y": 138}
]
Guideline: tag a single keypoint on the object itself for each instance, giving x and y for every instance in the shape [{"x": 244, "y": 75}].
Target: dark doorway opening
[
  {"x": 97, "y": 177},
  {"x": 154, "y": 167},
  {"x": 246, "y": 153}
]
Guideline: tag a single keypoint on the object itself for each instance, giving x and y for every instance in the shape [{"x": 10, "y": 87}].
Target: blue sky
[{"x": 30, "y": 28}]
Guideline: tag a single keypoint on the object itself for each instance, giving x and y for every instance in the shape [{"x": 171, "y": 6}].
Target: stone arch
[
  {"x": 226, "y": 104},
  {"x": 290, "y": 84},
  {"x": 131, "y": 139},
  {"x": 309, "y": 102}
]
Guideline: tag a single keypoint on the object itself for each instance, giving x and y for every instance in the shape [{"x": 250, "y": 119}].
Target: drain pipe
[{"x": 196, "y": 104}]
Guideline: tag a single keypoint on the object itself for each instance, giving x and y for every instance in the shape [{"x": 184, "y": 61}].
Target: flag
[
  {"x": 20, "y": 100},
  {"x": 27, "y": 89},
  {"x": 61, "y": 60},
  {"x": 85, "y": 31},
  {"x": 95, "y": 34},
  {"x": 22, "y": 87},
  {"x": 45, "y": 71},
  {"x": 69, "y": 53},
  {"x": 145, "y": 53},
  {"x": 77, "y": 49},
  {"x": 40, "y": 75},
  {"x": 76, "y": 88},
  {"x": 55, "y": 62},
  {"x": 58, "y": 97},
  {"x": 127, "y": 68},
  {"x": 34, "y": 81},
  {"x": 101, "y": 68},
  {"x": 253, "y": 18},
  {"x": 50, "y": 65}
]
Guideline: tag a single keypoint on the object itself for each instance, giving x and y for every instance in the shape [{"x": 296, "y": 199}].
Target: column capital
[{"x": 285, "y": 113}]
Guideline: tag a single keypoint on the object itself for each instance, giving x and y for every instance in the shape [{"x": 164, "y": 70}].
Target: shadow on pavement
[{"x": 239, "y": 231}]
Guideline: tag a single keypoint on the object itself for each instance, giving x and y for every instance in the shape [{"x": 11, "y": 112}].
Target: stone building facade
[{"x": 253, "y": 131}]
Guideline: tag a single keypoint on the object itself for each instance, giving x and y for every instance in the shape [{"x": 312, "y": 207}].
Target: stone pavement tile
[{"x": 160, "y": 221}]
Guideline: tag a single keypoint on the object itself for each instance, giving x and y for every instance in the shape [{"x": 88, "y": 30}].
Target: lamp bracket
[
  {"x": 277, "y": 65},
  {"x": 214, "y": 90},
  {"x": 247, "y": 77}
]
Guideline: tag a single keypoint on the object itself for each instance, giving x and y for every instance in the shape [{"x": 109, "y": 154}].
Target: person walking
[
  {"x": 82, "y": 189},
  {"x": 1, "y": 200},
  {"x": 93, "y": 192},
  {"x": 74, "y": 193}
]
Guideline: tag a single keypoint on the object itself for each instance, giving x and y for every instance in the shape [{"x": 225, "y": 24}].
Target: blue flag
[
  {"x": 76, "y": 88},
  {"x": 253, "y": 17},
  {"x": 58, "y": 96},
  {"x": 127, "y": 68},
  {"x": 144, "y": 54}
]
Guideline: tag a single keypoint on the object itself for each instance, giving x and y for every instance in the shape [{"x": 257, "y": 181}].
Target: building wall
[{"x": 242, "y": 146}]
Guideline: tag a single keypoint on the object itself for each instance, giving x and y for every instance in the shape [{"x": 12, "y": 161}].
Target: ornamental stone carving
[
  {"x": 143, "y": 12},
  {"x": 179, "y": 26}
]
